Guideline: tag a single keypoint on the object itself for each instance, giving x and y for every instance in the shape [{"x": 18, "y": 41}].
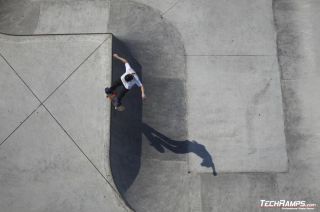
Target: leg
[
  {"x": 122, "y": 92},
  {"x": 113, "y": 87}
]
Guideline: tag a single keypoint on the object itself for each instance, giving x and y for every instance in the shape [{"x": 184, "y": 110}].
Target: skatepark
[{"x": 231, "y": 115}]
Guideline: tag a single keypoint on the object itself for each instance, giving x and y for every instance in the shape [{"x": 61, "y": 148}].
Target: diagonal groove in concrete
[
  {"x": 56, "y": 89},
  {"x": 60, "y": 124},
  {"x": 172, "y": 6},
  {"x": 23, "y": 81},
  {"x": 28, "y": 87},
  {"x": 79, "y": 148},
  {"x": 75, "y": 70},
  {"x": 64, "y": 129},
  {"x": 42, "y": 104},
  {"x": 33, "y": 93},
  {"x": 19, "y": 125}
]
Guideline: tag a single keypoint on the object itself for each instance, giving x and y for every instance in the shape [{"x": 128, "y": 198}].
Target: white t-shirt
[{"x": 134, "y": 81}]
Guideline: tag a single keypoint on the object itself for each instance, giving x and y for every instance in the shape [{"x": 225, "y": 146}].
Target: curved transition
[{"x": 149, "y": 175}]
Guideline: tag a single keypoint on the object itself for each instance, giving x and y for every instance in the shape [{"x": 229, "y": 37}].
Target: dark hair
[{"x": 128, "y": 77}]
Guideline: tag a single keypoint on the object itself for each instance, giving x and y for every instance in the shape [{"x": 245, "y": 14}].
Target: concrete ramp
[{"x": 223, "y": 125}]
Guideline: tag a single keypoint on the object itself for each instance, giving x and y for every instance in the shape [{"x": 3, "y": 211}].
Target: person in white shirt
[{"x": 126, "y": 82}]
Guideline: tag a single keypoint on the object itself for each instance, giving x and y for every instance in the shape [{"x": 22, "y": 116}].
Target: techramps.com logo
[{"x": 288, "y": 205}]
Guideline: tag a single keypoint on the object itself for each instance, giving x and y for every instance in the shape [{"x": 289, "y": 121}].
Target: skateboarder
[{"x": 126, "y": 81}]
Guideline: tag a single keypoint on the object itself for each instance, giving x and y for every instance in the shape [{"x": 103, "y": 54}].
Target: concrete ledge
[{"x": 55, "y": 124}]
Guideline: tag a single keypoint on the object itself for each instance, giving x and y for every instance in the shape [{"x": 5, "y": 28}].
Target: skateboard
[{"x": 112, "y": 99}]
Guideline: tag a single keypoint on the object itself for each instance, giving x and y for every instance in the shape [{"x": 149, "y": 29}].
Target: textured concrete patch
[
  {"x": 298, "y": 33},
  {"x": 82, "y": 109},
  {"x": 166, "y": 99},
  {"x": 162, "y": 190},
  {"x": 208, "y": 30},
  {"x": 297, "y": 41},
  {"x": 42, "y": 170},
  {"x": 302, "y": 100},
  {"x": 16, "y": 101},
  {"x": 73, "y": 16},
  {"x": 302, "y": 180},
  {"x": 44, "y": 62},
  {"x": 162, "y": 5},
  {"x": 19, "y": 16},
  {"x": 235, "y": 111},
  {"x": 237, "y": 192}
]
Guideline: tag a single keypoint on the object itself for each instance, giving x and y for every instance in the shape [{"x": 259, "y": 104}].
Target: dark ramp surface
[{"x": 150, "y": 174}]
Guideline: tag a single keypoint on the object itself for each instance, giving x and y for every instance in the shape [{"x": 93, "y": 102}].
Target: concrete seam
[
  {"x": 39, "y": 16},
  {"x": 28, "y": 87},
  {"x": 77, "y": 68},
  {"x": 231, "y": 55},
  {"x": 53, "y": 34},
  {"x": 79, "y": 148},
  {"x": 66, "y": 132},
  {"x": 42, "y": 103},
  {"x": 281, "y": 78},
  {"x": 108, "y": 14},
  {"x": 170, "y": 8},
  {"x": 19, "y": 126},
  {"x": 301, "y": 78},
  {"x": 16, "y": 73}
]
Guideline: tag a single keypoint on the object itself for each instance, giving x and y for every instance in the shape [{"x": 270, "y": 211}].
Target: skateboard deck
[{"x": 112, "y": 99}]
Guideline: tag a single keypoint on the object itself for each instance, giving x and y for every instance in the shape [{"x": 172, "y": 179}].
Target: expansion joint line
[
  {"x": 75, "y": 143},
  {"x": 16, "y": 73},
  {"x": 28, "y": 87},
  {"x": 170, "y": 8},
  {"x": 33, "y": 93},
  {"x": 74, "y": 70},
  {"x": 228, "y": 55}
]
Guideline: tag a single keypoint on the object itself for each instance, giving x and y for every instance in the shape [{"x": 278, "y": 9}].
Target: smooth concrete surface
[{"x": 157, "y": 155}]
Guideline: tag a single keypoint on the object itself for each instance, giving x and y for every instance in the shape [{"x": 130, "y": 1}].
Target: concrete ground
[{"x": 230, "y": 118}]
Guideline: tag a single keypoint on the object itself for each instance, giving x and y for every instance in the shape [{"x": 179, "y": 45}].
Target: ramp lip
[
  {"x": 55, "y": 34},
  {"x": 120, "y": 200}
]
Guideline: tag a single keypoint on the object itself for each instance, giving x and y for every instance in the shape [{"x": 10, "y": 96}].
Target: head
[{"x": 128, "y": 77}]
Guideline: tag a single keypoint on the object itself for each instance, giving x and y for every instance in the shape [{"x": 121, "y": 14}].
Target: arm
[
  {"x": 120, "y": 58},
  {"x": 143, "y": 95}
]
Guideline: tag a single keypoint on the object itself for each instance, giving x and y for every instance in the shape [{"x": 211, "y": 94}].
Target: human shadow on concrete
[{"x": 161, "y": 142}]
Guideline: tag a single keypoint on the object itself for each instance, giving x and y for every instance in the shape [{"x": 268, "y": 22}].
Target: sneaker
[
  {"x": 107, "y": 90},
  {"x": 116, "y": 102}
]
